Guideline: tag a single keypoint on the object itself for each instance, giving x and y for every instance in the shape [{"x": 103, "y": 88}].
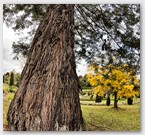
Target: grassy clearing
[
  {"x": 99, "y": 117},
  {"x": 86, "y": 98},
  {"x": 6, "y": 102},
  {"x": 122, "y": 101},
  {"x": 7, "y": 88},
  {"x": 125, "y": 118}
]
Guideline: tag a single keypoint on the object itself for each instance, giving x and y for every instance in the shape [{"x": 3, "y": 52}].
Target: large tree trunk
[{"x": 48, "y": 95}]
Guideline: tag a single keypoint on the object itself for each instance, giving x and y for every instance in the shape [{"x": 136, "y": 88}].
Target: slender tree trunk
[
  {"x": 98, "y": 99},
  {"x": 108, "y": 101},
  {"x": 48, "y": 95},
  {"x": 115, "y": 100}
]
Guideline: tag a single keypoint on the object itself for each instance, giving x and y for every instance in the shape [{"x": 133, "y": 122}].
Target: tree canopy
[
  {"x": 113, "y": 79},
  {"x": 102, "y": 31}
]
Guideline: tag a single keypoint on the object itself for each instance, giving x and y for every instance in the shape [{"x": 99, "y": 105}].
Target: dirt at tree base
[{"x": 5, "y": 128}]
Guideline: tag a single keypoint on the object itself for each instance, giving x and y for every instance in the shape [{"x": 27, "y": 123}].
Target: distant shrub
[
  {"x": 98, "y": 99},
  {"x": 130, "y": 101},
  {"x": 82, "y": 93},
  {"x": 12, "y": 89},
  {"x": 91, "y": 97},
  {"x": 11, "y": 79},
  {"x": 11, "y": 96},
  {"x": 5, "y": 88},
  {"x": 89, "y": 93}
]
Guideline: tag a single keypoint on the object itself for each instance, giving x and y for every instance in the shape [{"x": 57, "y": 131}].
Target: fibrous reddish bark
[{"x": 48, "y": 95}]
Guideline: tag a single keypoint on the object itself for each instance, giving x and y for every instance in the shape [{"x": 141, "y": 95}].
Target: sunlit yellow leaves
[
  {"x": 125, "y": 65},
  {"x": 123, "y": 81},
  {"x": 98, "y": 90},
  {"x": 128, "y": 91},
  {"x": 107, "y": 82},
  {"x": 91, "y": 68},
  {"x": 136, "y": 81},
  {"x": 128, "y": 87},
  {"x": 116, "y": 79},
  {"x": 94, "y": 80},
  {"x": 89, "y": 75}
]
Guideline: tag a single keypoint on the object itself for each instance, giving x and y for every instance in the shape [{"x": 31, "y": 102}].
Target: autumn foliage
[{"x": 113, "y": 79}]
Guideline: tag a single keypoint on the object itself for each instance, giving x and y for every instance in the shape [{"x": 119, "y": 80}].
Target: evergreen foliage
[
  {"x": 84, "y": 82},
  {"x": 11, "y": 79},
  {"x": 101, "y": 31}
]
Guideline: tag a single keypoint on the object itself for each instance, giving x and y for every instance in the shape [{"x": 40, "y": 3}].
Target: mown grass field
[
  {"x": 98, "y": 117},
  {"x": 6, "y": 102},
  {"x": 104, "y": 118}
]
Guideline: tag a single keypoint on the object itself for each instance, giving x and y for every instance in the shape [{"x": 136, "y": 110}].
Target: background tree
[
  {"x": 84, "y": 82},
  {"x": 115, "y": 79},
  {"x": 6, "y": 77},
  {"x": 11, "y": 82},
  {"x": 17, "y": 79},
  {"x": 11, "y": 79}
]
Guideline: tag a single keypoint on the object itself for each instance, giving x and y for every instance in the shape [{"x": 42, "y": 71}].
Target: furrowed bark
[{"x": 48, "y": 95}]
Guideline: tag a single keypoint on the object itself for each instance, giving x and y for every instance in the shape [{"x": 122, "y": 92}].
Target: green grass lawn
[
  {"x": 122, "y": 101},
  {"x": 7, "y": 97},
  {"x": 85, "y": 99},
  {"x": 99, "y": 117},
  {"x": 125, "y": 118},
  {"x": 7, "y": 88}
]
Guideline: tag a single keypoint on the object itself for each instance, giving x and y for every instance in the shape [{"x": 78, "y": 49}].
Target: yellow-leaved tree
[{"x": 113, "y": 79}]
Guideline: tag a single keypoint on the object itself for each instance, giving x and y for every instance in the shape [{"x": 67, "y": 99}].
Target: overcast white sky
[{"x": 9, "y": 64}]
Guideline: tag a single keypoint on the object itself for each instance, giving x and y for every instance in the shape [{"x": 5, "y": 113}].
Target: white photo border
[{"x": 142, "y": 73}]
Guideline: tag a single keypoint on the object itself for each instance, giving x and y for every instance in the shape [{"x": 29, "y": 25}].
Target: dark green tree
[
  {"x": 17, "y": 78},
  {"x": 11, "y": 79},
  {"x": 47, "y": 98},
  {"x": 6, "y": 77},
  {"x": 101, "y": 31},
  {"x": 84, "y": 82}
]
